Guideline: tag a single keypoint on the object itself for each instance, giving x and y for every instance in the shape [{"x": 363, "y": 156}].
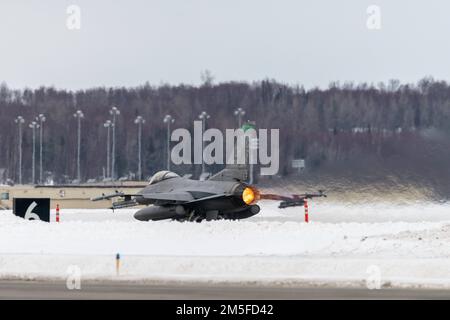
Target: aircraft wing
[
  {"x": 127, "y": 202},
  {"x": 130, "y": 199},
  {"x": 293, "y": 200},
  {"x": 169, "y": 196},
  {"x": 114, "y": 195},
  {"x": 215, "y": 196},
  {"x": 182, "y": 197}
]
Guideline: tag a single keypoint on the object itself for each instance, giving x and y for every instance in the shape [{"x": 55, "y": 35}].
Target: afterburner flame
[{"x": 250, "y": 195}]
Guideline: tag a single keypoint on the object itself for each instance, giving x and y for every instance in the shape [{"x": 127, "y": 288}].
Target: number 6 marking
[{"x": 30, "y": 215}]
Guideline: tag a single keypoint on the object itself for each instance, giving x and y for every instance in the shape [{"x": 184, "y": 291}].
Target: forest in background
[{"x": 354, "y": 129}]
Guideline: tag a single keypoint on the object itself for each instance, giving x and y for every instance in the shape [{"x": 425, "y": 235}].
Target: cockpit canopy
[{"x": 162, "y": 175}]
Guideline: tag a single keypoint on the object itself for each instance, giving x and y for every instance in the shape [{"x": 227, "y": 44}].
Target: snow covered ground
[{"x": 343, "y": 245}]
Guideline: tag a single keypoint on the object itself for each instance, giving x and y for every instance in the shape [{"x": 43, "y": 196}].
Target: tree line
[{"x": 345, "y": 125}]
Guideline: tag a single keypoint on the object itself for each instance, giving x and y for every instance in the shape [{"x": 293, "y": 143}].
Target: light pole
[
  {"x": 114, "y": 112},
  {"x": 168, "y": 119},
  {"x": 251, "y": 149},
  {"x": 139, "y": 121},
  {"x": 41, "y": 118},
  {"x": 34, "y": 125},
  {"x": 239, "y": 113},
  {"x": 108, "y": 124},
  {"x": 203, "y": 116},
  {"x": 20, "y": 121},
  {"x": 79, "y": 115}
]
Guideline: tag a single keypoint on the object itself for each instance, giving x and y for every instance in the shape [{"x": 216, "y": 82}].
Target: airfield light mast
[
  {"x": 168, "y": 119},
  {"x": 20, "y": 121},
  {"x": 114, "y": 112},
  {"x": 108, "y": 124},
  {"x": 41, "y": 118},
  {"x": 249, "y": 149},
  {"x": 139, "y": 121},
  {"x": 239, "y": 113},
  {"x": 79, "y": 115},
  {"x": 203, "y": 116},
  {"x": 34, "y": 125}
]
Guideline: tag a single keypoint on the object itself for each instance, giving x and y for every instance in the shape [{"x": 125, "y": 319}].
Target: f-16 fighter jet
[{"x": 223, "y": 196}]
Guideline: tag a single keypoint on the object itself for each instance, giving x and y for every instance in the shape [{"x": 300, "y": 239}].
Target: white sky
[{"x": 126, "y": 43}]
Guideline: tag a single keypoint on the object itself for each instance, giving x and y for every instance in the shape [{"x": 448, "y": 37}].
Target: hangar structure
[{"x": 67, "y": 196}]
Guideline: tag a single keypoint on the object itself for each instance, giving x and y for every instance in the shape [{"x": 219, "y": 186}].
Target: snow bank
[
  {"x": 409, "y": 245},
  {"x": 280, "y": 271}
]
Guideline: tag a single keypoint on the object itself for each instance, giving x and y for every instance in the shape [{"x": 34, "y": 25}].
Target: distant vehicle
[{"x": 224, "y": 195}]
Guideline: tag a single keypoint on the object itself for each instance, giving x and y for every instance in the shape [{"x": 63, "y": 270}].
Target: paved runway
[{"x": 130, "y": 290}]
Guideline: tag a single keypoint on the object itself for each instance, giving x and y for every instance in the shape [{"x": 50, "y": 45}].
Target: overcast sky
[{"x": 126, "y": 43}]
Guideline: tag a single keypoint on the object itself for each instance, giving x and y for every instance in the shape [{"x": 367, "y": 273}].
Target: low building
[{"x": 68, "y": 196}]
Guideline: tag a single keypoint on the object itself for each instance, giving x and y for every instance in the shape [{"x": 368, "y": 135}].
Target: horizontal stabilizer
[{"x": 292, "y": 201}]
